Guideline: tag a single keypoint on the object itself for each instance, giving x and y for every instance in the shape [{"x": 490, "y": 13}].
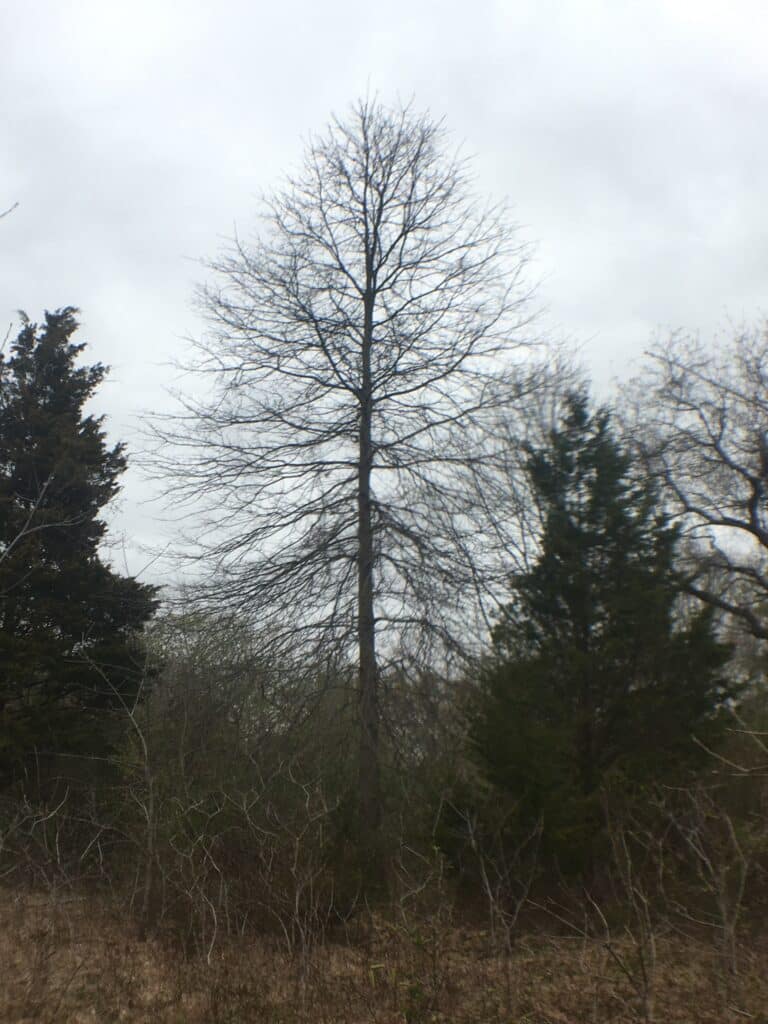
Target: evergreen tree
[
  {"x": 594, "y": 672},
  {"x": 67, "y": 621}
]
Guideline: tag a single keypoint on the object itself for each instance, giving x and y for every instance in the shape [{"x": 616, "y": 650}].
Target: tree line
[{"x": 438, "y": 597}]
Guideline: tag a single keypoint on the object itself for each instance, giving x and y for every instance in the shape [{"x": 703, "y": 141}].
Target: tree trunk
[
  {"x": 587, "y": 771},
  {"x": 369, "y": 793}
]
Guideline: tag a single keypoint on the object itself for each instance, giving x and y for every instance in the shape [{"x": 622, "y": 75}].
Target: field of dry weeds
[{"x": 67, "y": 959}]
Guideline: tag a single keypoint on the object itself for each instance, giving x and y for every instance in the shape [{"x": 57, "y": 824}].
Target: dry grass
[{"x": 72, "y": 960}]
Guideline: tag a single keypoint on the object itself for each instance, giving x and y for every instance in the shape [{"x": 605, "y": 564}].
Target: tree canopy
[
  {"x": 700, "y": 421},
  {"x": 66, "y": 618},
  {"x": 595, "y": 671}
]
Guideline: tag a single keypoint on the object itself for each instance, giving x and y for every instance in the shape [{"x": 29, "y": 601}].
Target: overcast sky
[{"x": 628, "y": 135}]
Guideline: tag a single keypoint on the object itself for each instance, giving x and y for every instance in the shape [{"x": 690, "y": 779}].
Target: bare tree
[
  {"x": 507, "y": 869},
  {"x": 701, "y": 418},
  {"x": 352, "y": 349},
  {"x": 722, "y": 852}
]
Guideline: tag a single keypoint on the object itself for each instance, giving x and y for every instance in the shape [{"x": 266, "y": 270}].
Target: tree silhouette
[
  {"x": 66, "y": 619},
  {"x": 594, "y": 670},
  {"x": 351, "y": 349}
]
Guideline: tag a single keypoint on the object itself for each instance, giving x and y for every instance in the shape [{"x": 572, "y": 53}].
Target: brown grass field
[{"x": 72, "y": 960}]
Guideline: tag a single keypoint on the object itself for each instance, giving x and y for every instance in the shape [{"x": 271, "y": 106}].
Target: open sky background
[{"x": 628, "y": 135}]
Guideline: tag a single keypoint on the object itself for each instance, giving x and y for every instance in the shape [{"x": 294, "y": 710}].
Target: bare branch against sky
[
  {"x": 701, "y": 420},
  {"x": 350, "y": 344}
]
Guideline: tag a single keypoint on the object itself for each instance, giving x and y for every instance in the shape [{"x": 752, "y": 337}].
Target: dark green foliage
[
  {"x": 66, "y": 619},
  {"x": 594, "y": 673}
]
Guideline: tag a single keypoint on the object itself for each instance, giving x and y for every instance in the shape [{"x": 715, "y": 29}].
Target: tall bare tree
[
  {"x": 701, "y": 418},
  {"x": 352, "y": 348}
]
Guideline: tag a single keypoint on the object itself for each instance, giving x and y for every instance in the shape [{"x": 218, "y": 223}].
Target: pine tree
[
  {"x": 67, "y": 621},
  {"x": 594, "y": 671}
]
